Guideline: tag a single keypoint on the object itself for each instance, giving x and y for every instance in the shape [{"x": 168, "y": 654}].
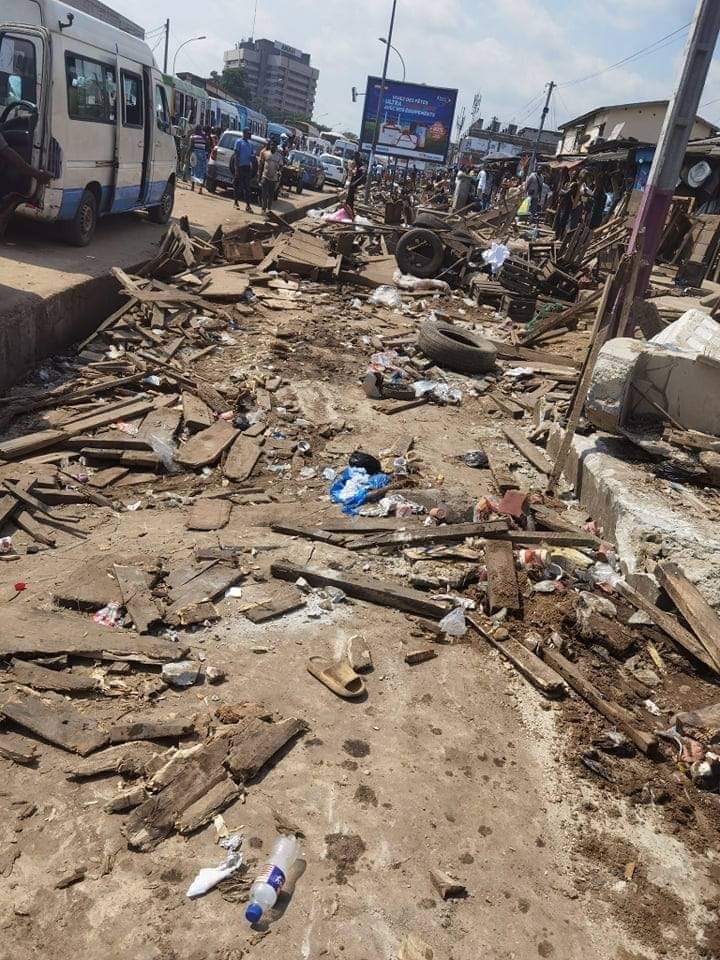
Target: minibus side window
[
  {"x": 18, "y": 70},
  {"x": 161, "y": 108},
  {"x": 92, "y": 89},
  {"x": 132, "y": 103}
]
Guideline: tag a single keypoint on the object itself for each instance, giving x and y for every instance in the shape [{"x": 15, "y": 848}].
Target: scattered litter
[
  {"x": 271, "y": 879},
  {"x": 209, "y": 877},
  {"x": 454, "y": 623},
  {"x": 352, "y": 487}
]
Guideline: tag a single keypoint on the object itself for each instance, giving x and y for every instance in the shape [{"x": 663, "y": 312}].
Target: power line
[{"x": 644, "y": 51}]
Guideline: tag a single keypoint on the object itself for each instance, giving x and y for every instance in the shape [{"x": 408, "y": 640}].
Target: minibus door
[{"x": 132, "y": 137}]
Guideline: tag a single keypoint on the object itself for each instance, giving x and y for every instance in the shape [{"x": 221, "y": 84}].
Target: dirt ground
[{"x": 456, "y": 764}]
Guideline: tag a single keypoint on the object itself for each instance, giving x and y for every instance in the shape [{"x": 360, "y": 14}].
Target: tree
[
  {"x": 349, "y": 135},
  {"x": 232, "y": 81}
]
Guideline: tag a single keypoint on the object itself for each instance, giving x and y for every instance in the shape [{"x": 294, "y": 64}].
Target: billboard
[{"x": 415, "y": 120}]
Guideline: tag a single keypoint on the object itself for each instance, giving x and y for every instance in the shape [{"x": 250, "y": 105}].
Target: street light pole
[
  {"x": 191, "y": 40},
  {"x": 380, "y": 102},
  {"x": 546, "y": 108},
  {"x": 402, "y": 61},
  {"x": 167, "y": 45}
]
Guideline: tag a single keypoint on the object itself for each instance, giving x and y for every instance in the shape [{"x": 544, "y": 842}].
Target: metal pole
[
  {"x": 676, "y": 131},
  {"x": 546, "y": 108},
  {"x": 167, "y": 44},
  {"x": 380, "y": 102}
]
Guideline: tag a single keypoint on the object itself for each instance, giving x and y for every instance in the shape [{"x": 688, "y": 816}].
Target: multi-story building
[
  {"x": 513, "y": 141},
  {"x": 280, "y": 79}
]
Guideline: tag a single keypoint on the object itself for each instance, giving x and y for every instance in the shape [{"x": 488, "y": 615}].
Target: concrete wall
[{"x": 643, "y": 123}]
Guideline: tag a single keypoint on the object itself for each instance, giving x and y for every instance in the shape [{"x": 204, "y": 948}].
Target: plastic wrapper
[
  {"x": 496, "y": 256},
  {"x": 386, "y": 296},
  {"x": 352, "y": 486},
  {"x": 454, "y": 623}
]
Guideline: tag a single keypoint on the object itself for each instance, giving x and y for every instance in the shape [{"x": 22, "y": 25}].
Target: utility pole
[
  {"x": 376, "y": 133},
  {"x": 167, "y": 45},
  {"x": 546, "y": 110},
  {"x": 676, "y": 131}
]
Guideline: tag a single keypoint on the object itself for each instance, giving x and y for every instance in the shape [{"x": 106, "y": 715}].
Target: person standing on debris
[
  {"x": 358, "y": 175},
  {"x": 243, "y": 157},
  {"x": 463, "y": 185},
  {"x": 481, "y": 185},
  {"x": 199, "y": 152},
  {"x": 533, "y": 189},
  {"x": 270, "y": 165},
  {"x": 567, "y": 200}
]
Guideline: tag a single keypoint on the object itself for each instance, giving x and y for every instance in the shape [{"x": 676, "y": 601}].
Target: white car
[{"x": 334, "y": 167}]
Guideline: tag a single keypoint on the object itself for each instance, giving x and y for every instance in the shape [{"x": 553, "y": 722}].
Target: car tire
[
  {"x": 81, "y": 229},
  {"x": 420, "y": 253},
  {"x": 456, "y": 349},
  {"x": 163, "y": 211},
  {"x": 211, "y": 186},
  {"x": 299, "y": 189},
  {"x": 430, "y": 221}
]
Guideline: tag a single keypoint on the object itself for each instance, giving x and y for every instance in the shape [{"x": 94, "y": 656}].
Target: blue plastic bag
[{"x": 352, "y": 486}]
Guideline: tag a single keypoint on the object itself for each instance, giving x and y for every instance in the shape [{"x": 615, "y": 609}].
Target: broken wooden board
[
  {"x": 36, "y": 633},
  {"x": 200, "y": 813},
  {"x": 18, "y": 750},
  {"x": 500, "y": 469},
  {"x": 226, "y": 283},
  {"x": 283, "y": 602},
  {"x": 128, "y": 759},
  {"x": 40, "y": 678},
  {"x": 382, "y": 592},
  {"x": 206, "y": 447},
  {"x": 241, "y": 459},
  {"x": 448, "y": 533},
  {"x": 527, "y": 663},
  {"x": 622, "y": 718},
  {"x": 532, "y": 454},
  {"x": 150, "y": 729},
  {"x": 89, "y": 586},
  {"x": 106, "y": 478},
  {"x": 503, "y": 590},
  {"x": 59, "y": 724},
  {"x": 134, "y": 586},
  {"x": 196, "y": 414},
  {"x": 214, "y": 582},
  {"x": 155, "y": 819},
  {"x": 256, "y": 742},
  {"x": 209, "y": 515},
  {"x": 160, "y": 426},
  {"x": 507, "y": 406},
  {"x": 20, "y": 447},
  {"x": 698, "y": 613}
]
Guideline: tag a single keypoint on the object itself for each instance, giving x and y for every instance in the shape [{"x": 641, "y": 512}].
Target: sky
[{"x": 506, "y": 50}]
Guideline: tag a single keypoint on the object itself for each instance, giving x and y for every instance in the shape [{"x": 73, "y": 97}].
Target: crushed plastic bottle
[{"x": 271, "y": 879}]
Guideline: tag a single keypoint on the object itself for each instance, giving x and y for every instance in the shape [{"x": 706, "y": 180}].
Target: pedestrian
[
  {"x": 358, "y": 175},
  {"x": 567, "y": 199},
  {"x": 242, "y": 160},
  {"x": 269, "y": 167},
  {"x": 10, "y": 160},
  {"x": 199, "y": 152},
  {"x": 482, "y": 179},
  {"x": 533, "y": 189},
  {"x": 463, "y": 185}
]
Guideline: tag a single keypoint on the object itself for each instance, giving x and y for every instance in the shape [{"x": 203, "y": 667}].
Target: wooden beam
[
  {"x": 701, "y": 617},
  {"x": 532, "y": 454}
]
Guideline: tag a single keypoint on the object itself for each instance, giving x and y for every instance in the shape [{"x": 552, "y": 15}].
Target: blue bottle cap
[{"x": 253, "y": 912}]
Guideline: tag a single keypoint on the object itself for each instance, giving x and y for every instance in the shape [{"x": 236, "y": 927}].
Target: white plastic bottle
[{"x": 271, "y": 879}]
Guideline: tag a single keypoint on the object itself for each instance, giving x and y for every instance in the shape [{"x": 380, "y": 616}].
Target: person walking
[
  {"x": 358, "y": 174},
  {"x": 270, "y": 165},
  {"x": 533, "y": 189},
  {"x": 567, "y": 198},
  {"x": 243, "y": 156},
  {"x": 199, "y": 152},
  {"x": 463, "y": 185}
]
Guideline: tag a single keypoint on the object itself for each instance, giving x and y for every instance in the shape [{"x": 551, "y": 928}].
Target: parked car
[
  {"x": 335, "y": 168},
  {"x": 313, "y": 171},
  {"x": 218, "y": 173}
]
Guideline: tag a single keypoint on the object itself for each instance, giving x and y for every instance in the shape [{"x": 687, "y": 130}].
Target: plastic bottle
[{"x": 264, "y": 892}]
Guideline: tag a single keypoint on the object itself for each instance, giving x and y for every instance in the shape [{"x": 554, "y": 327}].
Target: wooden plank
[
  {"x": 449, "y": 533},
  {"x": 503, "y": 590},
  {"x": 622, "y": 718},
  {"x": 126, "y": 412},
  {"x": 207, "y": 586},
  {"x": 532, "y": 454},
  {"x": 196, "y": 414},
  {"x": 17, "y": 749},
  {"x": 25, "y": 521},
  {"x": 206, "y": 447},
  {"x": 551, "y": 520},
  {"x": 701, "y": 617},
  {"x": 530, "y": 666},
  {"x": 140, "y": 729},
  {"x": 560, "y": 538},
  {"x": 8, "y": 506},
  {"x": 109, "y": 443},
  {"x": 134, "y": 586},
  {"x": 200, "y": 813},
  {"x": 59, "y": 724},
  {"x": 502, "y": 475},
  {"x": 105, "y": 478},
  {"x": 20, "y": 447},
  {"x": 241, "y": 459},
  {"x": 258, "y": 743},
  {"x": 36, "y": 633},
  {"x": 127, "y": 759},
  {"x": 382, "y": 592},
  {"x": 209, "y": 515},
  {"x": 507, "y": 406},
  {"x": 286, "y": 601},
  {"x": 40, "y": 678},
  {"x": 669, "y": 625}
]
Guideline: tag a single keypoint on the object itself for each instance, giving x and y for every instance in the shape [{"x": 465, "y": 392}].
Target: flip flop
[{"x": 337, "y": 676}]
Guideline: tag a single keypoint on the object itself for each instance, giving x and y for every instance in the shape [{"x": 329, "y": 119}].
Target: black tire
[
  {"x": 299, "y": 188},
  {"x": 211, "y": 186},
  {"x": 429, "y": 220},
  {"x": 455, "y": 348},
  {"x": 163, "y": 211},
  {"x": 81, "y": 229},
  {"x": 420, "y": 253}
]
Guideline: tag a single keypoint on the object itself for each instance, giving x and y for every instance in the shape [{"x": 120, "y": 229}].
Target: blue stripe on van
[{"x": 126, "y": 199}]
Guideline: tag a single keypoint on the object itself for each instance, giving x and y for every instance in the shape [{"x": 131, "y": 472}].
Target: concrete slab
[
  {"x": 52, "y": 294},
  {"x": 642, "y": 515}
]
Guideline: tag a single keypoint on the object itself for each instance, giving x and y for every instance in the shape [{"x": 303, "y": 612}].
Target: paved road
[{"x": 34, "y": 261}]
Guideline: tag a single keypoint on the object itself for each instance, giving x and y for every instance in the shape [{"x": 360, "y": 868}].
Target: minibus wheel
[
  {"x": 81, "y": 229},
  {"x": 163, "y": 212}
]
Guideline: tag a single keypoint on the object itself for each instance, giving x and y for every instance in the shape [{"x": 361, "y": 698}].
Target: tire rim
[
  {"x": 86, "y": 219},
  {"x": 167, "y": 203}
]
